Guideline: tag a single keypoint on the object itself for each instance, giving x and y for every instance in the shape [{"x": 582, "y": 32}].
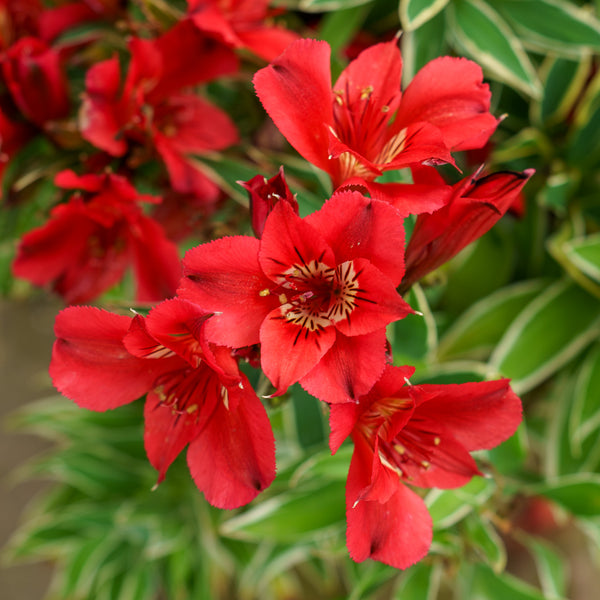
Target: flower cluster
[{"x": 309, "y": 298}]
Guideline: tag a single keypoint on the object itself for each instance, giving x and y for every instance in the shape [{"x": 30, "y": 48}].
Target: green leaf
[
  {"x": 447, "y": 507},
  {"x": 480, "y": 328},
  {"x": 509, "y": 457},
  {"x": 584, "y": 253},
  {"x": 548, "y": 333},
  {"x": 421, "y": 46},
  {"x": 308, "y": 417},
  {"x": 553, "y": 25},
  {"x": 584, "y": 416},
  {"x": 328, "y": 5},
  {"x": 484, "y": 539},
  {"x": 413, "y": 337},
  {"x": 80, "y": 574},
  {"x": 414, "y": 13},
  {"x": 469, "y": 275},
  {"x": 419, "y": 582},
  {"x": 340, "y": 26},
  {"x": 303, "y": 513},
  {"x": 488, "y": 585},
  {"x": 563, "y": 81},
  {"x": 482, "y": 32},
  {"x": 583, "y": 142},
  {"x": 550, "y": 566},
  {"x": 579, "y": 493}
]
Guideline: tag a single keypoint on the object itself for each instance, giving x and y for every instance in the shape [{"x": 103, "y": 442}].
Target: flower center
[{"x": 314, "y": 295}]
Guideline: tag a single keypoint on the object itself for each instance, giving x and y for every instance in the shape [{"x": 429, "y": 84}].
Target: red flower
[
  {"x": 420, "y": 435},
  {"x": 366, "y": 125},
  {"x": 151, "y": 110},
  {"x": 241, "y": 24},
  {"x": 264, "y": 194},
  {"x": 476, "y": 205},
  {"x": 34, "y": 76},
  {"x": 88, "y": 243},
  {"x": 317, "y": 293},
  {"x": 196, "y": 395}
]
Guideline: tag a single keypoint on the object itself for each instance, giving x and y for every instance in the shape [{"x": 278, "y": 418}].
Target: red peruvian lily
[
  {"x": 264, "y": 194},
  {"x": 196, "y": 395},
  {"x": 317, "y": 293},
  {"x": 89, "y": 242},
  {"x": 151, "y": 110},
  {"x": 241, "y": 24},
  {"x": 366, "y": 125},
  {"x": 34, "y": 76},
  {"x": 420, "y": 435},
  {"x": 476, "y": 205}
]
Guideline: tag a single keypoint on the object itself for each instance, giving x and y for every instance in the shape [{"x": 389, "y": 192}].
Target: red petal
[
  {"x": 289, "y": 241},
  {"x": 100, "y": 119},
  {"x": 397, "y": 532},
  {"x": 295, "y": 90},
  {"x": 267, "y": 42},
  {"x": 355, "y": 226},
  {"x": 349, "y": 369},
  {"x": 375, "y": 73},
  {"x": 90, "y": 363},
  {"x": 167, "y": 431},
  {"x": 406, "y": 198},
  {"x": 233, "y": 459},
  {"x": 289, "y": 351},
  {"x": 377, "y": 303},
  {"x": 450, "y": 94},
  {"x": 342, "y": 419},
  {"x": 478, "y": 415},
  {"x": 224, "y": 277},
  {"x": 421, "y": 142}
]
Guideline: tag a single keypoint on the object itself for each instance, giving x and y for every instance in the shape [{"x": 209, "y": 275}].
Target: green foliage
[{"x": 523, "y": 302}]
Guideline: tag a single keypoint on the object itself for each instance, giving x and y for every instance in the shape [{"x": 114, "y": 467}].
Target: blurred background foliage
[{"x": 522, "y": 302}]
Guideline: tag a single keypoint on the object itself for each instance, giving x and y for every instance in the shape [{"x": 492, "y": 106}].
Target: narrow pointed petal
[
  {"x": 224, "y": 277},
  {"x": 267, "y": 42},
  {"x": 233, "y": 459},
  {"x": 450, "y": 94},
  {"x": 357, "y": 226},
  {"x": 90, "y": 363},
  {"x": 295, "y": 90},
  {"x": 349, "y": 369}
]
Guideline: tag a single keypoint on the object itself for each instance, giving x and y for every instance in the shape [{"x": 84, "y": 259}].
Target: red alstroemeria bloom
[
  {"x": 421, "y": 435},
  {"x": 366, "y": 125},
  {"x": 476, "y": 205},
  {"x": 196, "y": 395},
  {"x": 317, "y": 293},
  {"x": 35, "y": 78},
  {"x": 89, "y": 242},
  {"x": 151, "y": 109},
  {"x": 264, "y": 194},
  {"x": 241, "y": 24}
]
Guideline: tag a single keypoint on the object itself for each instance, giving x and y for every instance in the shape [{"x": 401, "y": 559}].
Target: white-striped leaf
[
  {"x": 553, "y": 25},
  {"x": 549, "y": 332},
  {"x": 477, "y": 331},
  {"x": 486, "y": 36},
  {"x": 414, "y": 13}
]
